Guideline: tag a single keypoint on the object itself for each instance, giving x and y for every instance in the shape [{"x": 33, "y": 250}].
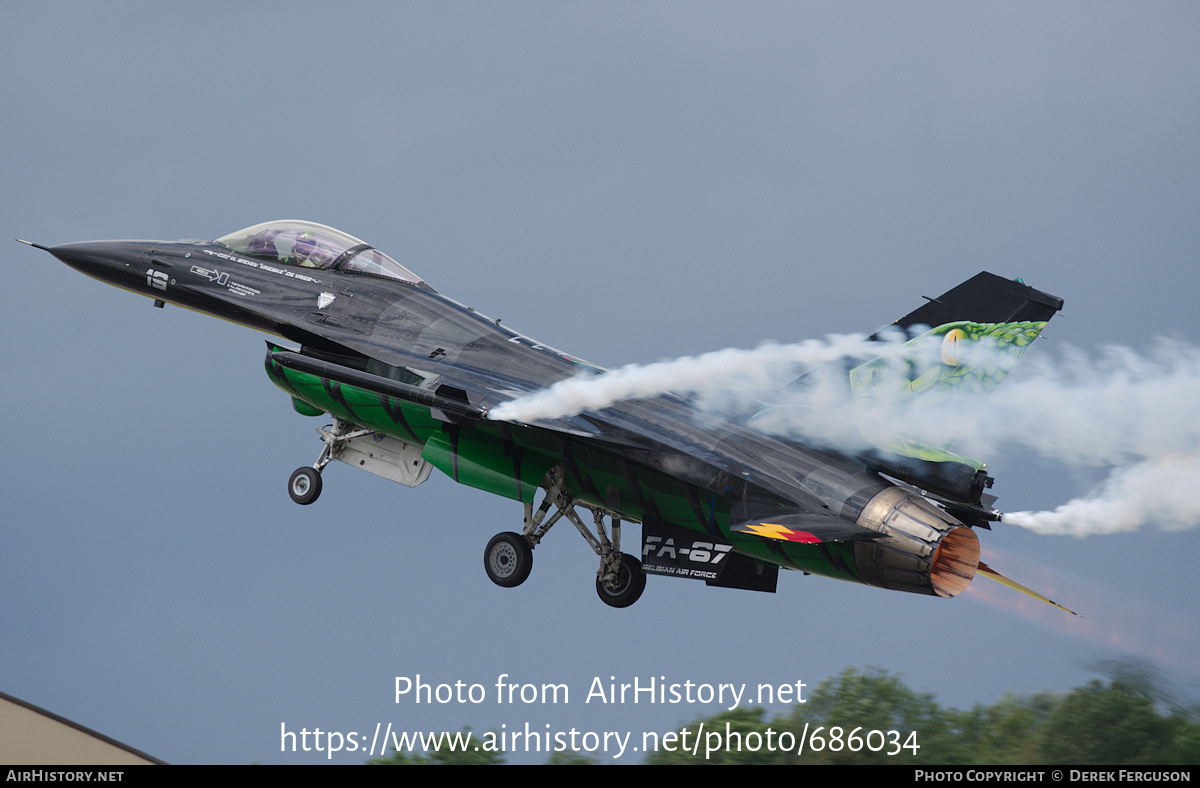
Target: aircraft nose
[{"x": 110, "y": 261}]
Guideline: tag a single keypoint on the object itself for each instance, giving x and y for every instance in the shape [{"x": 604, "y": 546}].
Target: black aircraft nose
[{"x": 115, "y": 262}]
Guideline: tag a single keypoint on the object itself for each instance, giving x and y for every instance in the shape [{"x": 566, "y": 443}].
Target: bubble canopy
[{"x": 312, "y": 245}]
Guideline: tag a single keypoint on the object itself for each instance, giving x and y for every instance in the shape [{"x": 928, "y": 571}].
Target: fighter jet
[{"x": 411, "y": 379}]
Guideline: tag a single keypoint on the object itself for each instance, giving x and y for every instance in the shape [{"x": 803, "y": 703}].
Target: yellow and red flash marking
[{"x": 783, "y": 533}]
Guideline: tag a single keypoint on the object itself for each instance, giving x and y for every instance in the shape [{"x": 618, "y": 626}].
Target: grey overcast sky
[{"x": 626, "y": 181}]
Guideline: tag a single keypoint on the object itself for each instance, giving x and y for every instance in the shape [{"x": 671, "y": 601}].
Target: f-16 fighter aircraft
[{"x": 411, "y": 377}]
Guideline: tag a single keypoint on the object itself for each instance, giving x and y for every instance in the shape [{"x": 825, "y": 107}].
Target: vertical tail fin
[
  {"x": 957, "y": 347},
  {"x": 985, "y": 298}
]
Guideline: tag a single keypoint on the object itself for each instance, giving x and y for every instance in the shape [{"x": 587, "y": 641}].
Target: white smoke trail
[
  {"x": 1137, "y": 412},
  {"x": 1120, "y": 407},
  {"x": 1162, "y": 491},
  {"x": 743, "y": 371}
]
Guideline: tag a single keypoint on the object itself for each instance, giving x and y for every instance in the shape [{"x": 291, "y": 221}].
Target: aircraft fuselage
[{"x": 385, "y": 354}]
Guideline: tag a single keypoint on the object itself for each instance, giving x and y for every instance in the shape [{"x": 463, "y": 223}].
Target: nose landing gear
[{"x": 305, "y": 485}]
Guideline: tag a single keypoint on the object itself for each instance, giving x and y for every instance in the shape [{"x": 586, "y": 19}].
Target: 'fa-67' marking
[{"x": 701, "y": 552}]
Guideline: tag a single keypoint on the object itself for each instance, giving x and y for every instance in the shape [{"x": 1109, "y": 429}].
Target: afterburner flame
[{"x": 955, "y": 562}]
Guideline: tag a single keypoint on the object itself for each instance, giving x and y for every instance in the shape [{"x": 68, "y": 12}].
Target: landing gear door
[{"x": 387, "y": 457}]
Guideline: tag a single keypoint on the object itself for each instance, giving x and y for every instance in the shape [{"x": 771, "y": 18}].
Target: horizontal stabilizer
[{"x": 807, "y": 529}]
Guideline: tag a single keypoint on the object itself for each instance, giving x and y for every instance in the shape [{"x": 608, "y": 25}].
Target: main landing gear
[
  {"x": 625, "y": 583},
  {"x": 509, "y": 556},
  {"x": 508, "y": 559}
]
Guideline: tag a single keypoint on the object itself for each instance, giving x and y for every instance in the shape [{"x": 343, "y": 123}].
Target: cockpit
[{"x": 312, "y": 245}]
